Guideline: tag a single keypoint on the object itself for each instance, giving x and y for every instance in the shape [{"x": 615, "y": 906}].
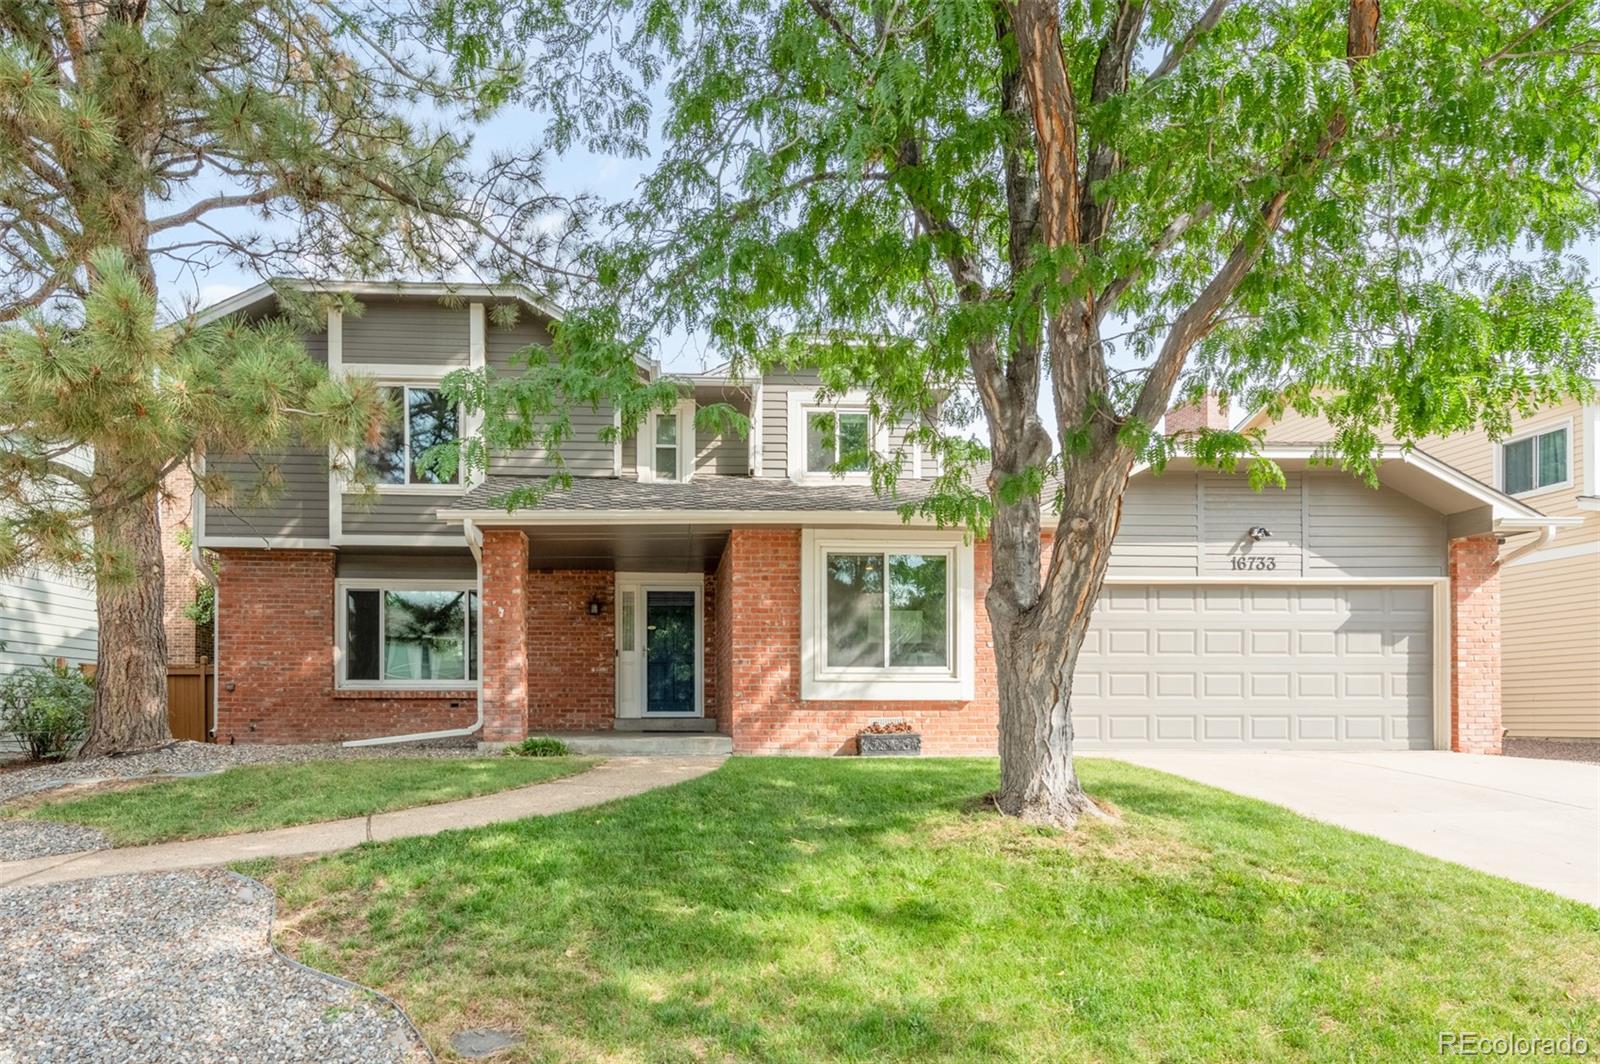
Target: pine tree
[{"x": 146, "y": 134}]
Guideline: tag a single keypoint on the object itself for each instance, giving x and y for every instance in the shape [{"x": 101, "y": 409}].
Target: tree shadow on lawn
[{"x": 795, "y": 909}]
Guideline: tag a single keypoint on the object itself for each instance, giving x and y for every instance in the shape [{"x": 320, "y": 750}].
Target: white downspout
[
  {"x": 475, "y": 544},
  {"x": 1546, "y": 534}
]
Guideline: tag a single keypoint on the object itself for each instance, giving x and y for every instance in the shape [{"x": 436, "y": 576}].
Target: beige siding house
[{"x": 1550, "y": 595}]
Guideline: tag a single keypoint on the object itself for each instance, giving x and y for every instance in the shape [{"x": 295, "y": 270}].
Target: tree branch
[
  {"x": 1521, "y": 38},
  {"x": 1208, "y": 21},
  {"x": 1110, "y": 80},
  {"x": 217, "y": 203}
]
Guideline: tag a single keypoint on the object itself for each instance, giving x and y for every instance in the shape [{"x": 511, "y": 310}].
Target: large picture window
[
  {"x": 426, "y": 420},
  {"x": 886, "y": 615},
  {"x": 1539, "y": 460},
  {"x": 408, "y": 636}
]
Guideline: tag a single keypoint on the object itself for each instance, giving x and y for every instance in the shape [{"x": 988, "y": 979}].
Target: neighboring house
[
  {"x": 696, "y": 581},
  {"x": 46, "y": 614},
  {"x": 1550, "y": 595}
]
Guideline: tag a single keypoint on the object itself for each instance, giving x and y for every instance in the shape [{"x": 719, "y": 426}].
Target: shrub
[
  {"x": 46, "y": 709},
  {"x": 538, "y": 746}
]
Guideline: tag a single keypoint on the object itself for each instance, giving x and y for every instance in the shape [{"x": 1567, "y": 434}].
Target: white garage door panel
[{"x": 1270, "y": 666}]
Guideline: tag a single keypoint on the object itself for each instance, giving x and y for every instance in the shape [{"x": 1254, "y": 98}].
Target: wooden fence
[{"x": 190, "y": 699}]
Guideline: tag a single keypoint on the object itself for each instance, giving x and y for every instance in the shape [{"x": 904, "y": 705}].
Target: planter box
[{"x": 893, "y": 744}]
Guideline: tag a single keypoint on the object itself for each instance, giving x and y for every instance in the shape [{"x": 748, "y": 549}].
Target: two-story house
[
  {"x": 1550, "y": 594},
  {"x": 743, "y": 585}
]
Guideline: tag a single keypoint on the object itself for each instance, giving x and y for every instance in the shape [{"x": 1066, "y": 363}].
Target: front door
[{"x": 659, "y": 656}]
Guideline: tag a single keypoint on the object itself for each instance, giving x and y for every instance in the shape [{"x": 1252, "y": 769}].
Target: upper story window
[
  {"x": 415, "y": 634},
  {"x": 667, "y": 443},
  {"x": 427, "y": 419},
  {"x": 837, "y": 440},
  {"x": 1536, "y": 461}
]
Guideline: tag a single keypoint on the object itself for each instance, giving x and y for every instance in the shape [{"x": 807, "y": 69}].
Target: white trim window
[
  {"x": 426, "y": 420},
  {"x": 886, "y": 616},
  {"x": 666, "y": 445},
  {"x": 832, "y": 440},
  {"x": 1537, "y": 460},
  {"x": 407, "y": 635}
]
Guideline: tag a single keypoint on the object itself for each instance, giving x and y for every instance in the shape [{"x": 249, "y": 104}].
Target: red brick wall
[
  {"x": 275, "y": 612},
  {"x": 719, "y": 650},
  {"x": 761, "y": 612},
  {"x": 504, "y": 610},
  {"x": 572, "y": 663},
  {"x": 1475, "y": 726}
]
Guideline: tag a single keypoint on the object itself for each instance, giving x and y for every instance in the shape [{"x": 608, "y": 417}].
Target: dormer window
[{"x": 427, "y": 419}]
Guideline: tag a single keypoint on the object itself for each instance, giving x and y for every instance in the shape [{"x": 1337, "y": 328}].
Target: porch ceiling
[{"x": 630, "y": 548}]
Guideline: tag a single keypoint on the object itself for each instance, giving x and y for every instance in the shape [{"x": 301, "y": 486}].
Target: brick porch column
[
  {"x": 505, "y": 635},
  {"x": 1475, "y": 645}
]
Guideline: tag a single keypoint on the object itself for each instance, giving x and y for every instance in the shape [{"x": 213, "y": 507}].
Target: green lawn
[
  {"x": 258, "y": 797},
  {"x": 795, "y": 910}
]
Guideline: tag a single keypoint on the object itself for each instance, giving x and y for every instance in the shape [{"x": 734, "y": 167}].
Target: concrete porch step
[
  {"x": 637, "y": 744},
  {"x": 665, "y": 724}
]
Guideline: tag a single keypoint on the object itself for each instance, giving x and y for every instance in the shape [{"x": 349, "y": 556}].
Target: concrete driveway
[{"x": 1537, "y": 822}]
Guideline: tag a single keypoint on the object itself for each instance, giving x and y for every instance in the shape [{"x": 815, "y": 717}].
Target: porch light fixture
[
  {"x": 596, "y": 606},
  {"x": 1259, "y": 533}
]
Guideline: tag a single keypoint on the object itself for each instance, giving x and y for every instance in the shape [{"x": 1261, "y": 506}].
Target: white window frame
[
  {"x": 802, "y": 404},
  {"x": 341, "y": 616},
  {"x": 1533, "y": 434},
  {"x": 454, "y": 487},
  {"x": 951, "y": 683},
  {"x": 644, "y": 448}
]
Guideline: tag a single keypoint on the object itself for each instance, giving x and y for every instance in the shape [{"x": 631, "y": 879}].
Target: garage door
[{"x": 1260, "y": 666}]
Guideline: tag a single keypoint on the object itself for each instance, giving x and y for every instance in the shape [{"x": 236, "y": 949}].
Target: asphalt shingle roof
[{"x": 701, "y": 493}]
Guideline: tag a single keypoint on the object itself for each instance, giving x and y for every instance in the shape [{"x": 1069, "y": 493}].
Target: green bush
[
  {"x": 538, "y": 746},
  {"x": 46, "y": 709}
]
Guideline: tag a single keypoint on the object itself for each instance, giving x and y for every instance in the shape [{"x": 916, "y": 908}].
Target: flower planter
[{"x": 889, "y": 744}]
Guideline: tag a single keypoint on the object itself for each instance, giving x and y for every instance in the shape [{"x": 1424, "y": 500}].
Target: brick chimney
[{"x": 1208, "y": 413}]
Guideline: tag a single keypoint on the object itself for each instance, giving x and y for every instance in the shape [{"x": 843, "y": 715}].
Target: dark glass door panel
[{"x": 669, "y": 652}]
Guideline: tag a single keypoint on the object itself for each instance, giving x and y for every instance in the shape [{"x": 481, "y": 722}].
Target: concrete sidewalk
[
  {"x": 1536, "y": 822},
  {"x": 619, "y": 777}
]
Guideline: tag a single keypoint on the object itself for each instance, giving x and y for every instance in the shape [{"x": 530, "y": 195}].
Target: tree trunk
[
  {"x": 1036, "y": 650},
  {"x": 130, "y": 702}
]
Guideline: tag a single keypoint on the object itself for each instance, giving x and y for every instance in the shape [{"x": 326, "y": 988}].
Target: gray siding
[
  {"x": 1322, "y": 525},
  {"x": 407, "y": 333},
  {"x": 354, "y": 564},
  {"x": 775, "y": 389},
  {"x": 390, "y": 514},
  {"x": 585, "y": 454},
  {"x": 298, "y": 510},
  {"x": 721, "y": 454},
  {"x": 46, "y": 615}
]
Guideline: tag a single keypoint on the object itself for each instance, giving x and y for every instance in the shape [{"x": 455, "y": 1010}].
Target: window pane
[
  {"x": 819, "y": 442},
  {"x": 1553, "y": 458},
  {"x": 666, "y": 463},
  {"x": 917, "y": 609},
  {"x": 472, "y": 635},
  {"x": 855, "y": 610},
  {"x": 361, "y": 635},
  {"x": 625, "y": 621},
  {"x": 1518, "y": 461},
  {"x": 433, "y": 421},
  {"x": 425, "y": 635},
  {"x": 853, "y": 442},
  {"x": 667, "y": 429},
  {"x": 388, "y": 456}
]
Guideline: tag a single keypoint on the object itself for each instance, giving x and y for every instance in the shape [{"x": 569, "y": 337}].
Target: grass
[
  {"x": 797, "y": 910},
  {"x": 258, "y": 797}
]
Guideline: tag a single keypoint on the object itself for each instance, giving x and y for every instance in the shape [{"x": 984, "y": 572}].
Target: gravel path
[
  {"x": 173, "y": 967},
  {"x": 22, "y": 839},
  {"x": 183, "y": 758}
]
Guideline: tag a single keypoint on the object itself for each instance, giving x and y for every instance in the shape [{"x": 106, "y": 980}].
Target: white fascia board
[{"x": 818, "y": 518}]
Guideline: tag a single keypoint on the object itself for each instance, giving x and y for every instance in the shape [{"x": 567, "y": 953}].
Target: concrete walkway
[
  {"x": 619, "y": 777},
  {"x": 1535, "y": 822}
]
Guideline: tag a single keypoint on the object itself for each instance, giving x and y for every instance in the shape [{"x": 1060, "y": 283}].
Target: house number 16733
[{"x": 1254, "y": 564}]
